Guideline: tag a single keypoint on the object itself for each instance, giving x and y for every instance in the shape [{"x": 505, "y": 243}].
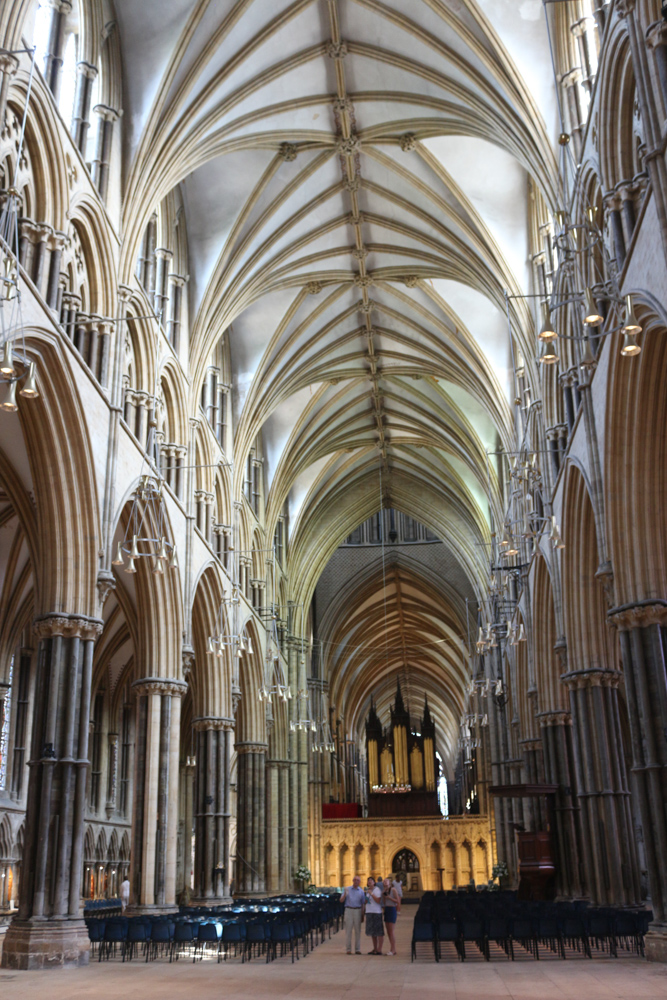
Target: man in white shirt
[
  {"x": 354, "y": 900},
  {"x": 124, "y": 893}
]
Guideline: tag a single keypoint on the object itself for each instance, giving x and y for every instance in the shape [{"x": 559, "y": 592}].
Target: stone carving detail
[
  {"x": 360, "y": 253},
  {"x": 560, "y": 717},
  {"x": 408, "y": 142},
  {"x": 67, "y": 626},
  {"x": 411, "y": 281},
  {"x": 349, "y": 145},
  {"x": 341, "y": 104},
  {"x": 363, "y": 280},
  {"x": 638, "y": 616},
  {"x": 352, "y": 184},
  {"x": 248, "y": 746},
  {"x": 336, "y": 50},
  {"x": 218, "y": 723},
  {"x": 314, "y": 287},
  {"x": 160, "y": 685},
  {"x": 594, "y": 677},
  {"x": 106, "y": 582},
  {"x": 288, "y": 151}
]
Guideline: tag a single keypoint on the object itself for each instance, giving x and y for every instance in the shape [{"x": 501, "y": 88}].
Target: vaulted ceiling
[{"x": 356, "y": 177}]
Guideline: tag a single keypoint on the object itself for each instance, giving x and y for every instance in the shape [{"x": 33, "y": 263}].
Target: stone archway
[{"x": 406, "y": 867}]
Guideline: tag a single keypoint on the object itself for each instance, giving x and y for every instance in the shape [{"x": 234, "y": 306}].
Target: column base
[
  {"x": 209, "y": 900},
  {"x": 136, "y": 910},
  {"x": 655, "y": 943},
  {"x": 45, "y": 944}
]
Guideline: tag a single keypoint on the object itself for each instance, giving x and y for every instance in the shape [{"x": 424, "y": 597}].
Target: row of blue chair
[
  {"x": 266, "y": 929},
  {"x": 537, "y": 929}
]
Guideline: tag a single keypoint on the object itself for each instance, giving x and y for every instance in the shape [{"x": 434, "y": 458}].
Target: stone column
[
  {"x": 656, "y": 39},
  {"x": 48, "y": 930},
  {"x": 112, "y": 780},
  {"x": 8, "y": 66},
  {"x": 155, "y": 816},
  {"x": 251, "y": 818},
  {"x": 53, "y": 62},
  {"x": 642, "y": 629},
  {"x": 211, "y": 808},
  {"x": 85, "y": 74},
  {"x": 100, "y": 165},
  {"x": 602, "y": 787},
  {"x": 161, "y": 298},
  {"x": 174, "y": 324},
  {"x": 559, "y": 770}
]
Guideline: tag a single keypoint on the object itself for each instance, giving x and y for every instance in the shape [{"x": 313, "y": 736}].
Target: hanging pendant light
[
  {"x": 548, "y": 356},
  {"x": 163, "y": 555},
  {"x": 130, "y": 568},
  {"x": 118, "y": 561},
  {"x": 8, "y": 401},
  {"x": 588, "y": 360},
  {"x": 30, "y": 390},
  {"x": 504, "y": 541},
  {"x": 7, "y": 359},
  {"x": 512, "y": 549},
  {"x": 157, "y": 566},
  {"x": 632, "y": 324},
  {"x": 547, "y": 331},
  {"x": 173, "y": 562},
  {"x": 210, "y": 649},
  {"x": 248, "y": 646},
  {"x": 134, "y": 551},
  {"x": 630, "y": 345},
  {"x": 592, "y": 316}
]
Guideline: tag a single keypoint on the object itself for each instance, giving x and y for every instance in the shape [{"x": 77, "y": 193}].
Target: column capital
[
  {"x": 559, "y": 717},
  {"x": 249, "y": 746},
  {"x": 638, "y": 615},
  {"x": 625, "y": 7},
  {"x": 164, "y": 253},
  {"x": 179, "y": 279},
  {"x": 9, "y": 63},
  {"x": 160, "y": 685},
  {"x": 86, "y": 69},
  {"x": 106, "y": 113},
  {"x": 68, "y": 626},
  {"x": 219, "y": 723},
  {"x": 125, "y": 294},
  {"x": 592, "y": 677},
  {"x": 531, "y": 744}
]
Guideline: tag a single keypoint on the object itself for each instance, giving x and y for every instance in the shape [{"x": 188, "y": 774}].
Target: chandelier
[
  {"x": 146, "y": 533},
  {"x": 235, "y": 640}
]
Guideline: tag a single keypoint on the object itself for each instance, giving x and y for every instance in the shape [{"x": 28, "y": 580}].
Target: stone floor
[{"x": 329, "y": 974}]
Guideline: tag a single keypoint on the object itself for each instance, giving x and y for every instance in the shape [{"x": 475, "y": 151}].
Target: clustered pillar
[
  {"x": 251, "y": 818},
  {"x": 48, "y": 929},
  {"x": 602, "y": 786},
  {"x": 212, "y": 812},
  {"x": 559, "y": 770},
  {"x": 642, "y": 639},
  {"x": 154, "y": 824}
]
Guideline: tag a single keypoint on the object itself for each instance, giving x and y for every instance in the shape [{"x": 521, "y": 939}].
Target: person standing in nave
[{"x": 354, "y": 900}]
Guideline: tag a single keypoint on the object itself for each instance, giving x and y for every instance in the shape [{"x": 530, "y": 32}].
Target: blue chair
[
  {"x": 282, "y": 935},
  {"x": 182, "y": 939},
  {"x": 423, "y": 931},
  {"x": 209, "y": 933},
  {"x": 256, "y": 938},
  {"x": 114, "y": 934},
  {"x": 137, "y": 934},
  {"x": 160, "y": 939},
  {"x": 234, "y": 934}
]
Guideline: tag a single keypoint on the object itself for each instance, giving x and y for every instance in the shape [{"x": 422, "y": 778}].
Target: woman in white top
[{"x": 374, "y": 926}]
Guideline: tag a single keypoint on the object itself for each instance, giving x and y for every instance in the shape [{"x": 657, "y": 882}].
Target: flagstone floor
[{"x": 329, "y": 974}]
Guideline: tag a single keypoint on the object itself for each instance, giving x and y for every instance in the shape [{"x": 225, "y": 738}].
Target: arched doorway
[{"x": 406, "y": 868}]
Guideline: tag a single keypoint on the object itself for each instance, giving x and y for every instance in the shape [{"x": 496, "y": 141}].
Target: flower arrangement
[
  {"x": 500, "y": 870},
  {"x": 302, "y": 874}
]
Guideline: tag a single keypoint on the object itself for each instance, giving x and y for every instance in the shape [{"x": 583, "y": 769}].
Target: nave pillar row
[
  {"x": 48, "y": 929},
  {"x": 156, "y": 788},
  {"x": 642, "y": 635},
  {"x": 212, "y": 808}
]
